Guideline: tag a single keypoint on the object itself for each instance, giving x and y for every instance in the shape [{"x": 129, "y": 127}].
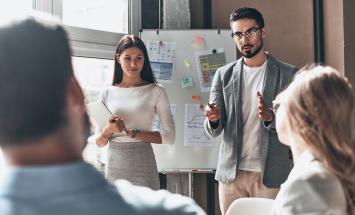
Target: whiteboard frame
[{"x": 178, "y": 157}]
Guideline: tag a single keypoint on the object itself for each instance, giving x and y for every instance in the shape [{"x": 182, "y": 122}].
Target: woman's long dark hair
[{"x": 129, "y": 41}]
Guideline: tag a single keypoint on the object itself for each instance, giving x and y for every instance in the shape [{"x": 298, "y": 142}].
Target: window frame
[{"x": 89, "y": 42}]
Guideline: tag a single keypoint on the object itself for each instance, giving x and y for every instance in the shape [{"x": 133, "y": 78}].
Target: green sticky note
[{"x": 187, "y": 82}]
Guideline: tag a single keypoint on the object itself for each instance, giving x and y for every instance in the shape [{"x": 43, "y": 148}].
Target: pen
[{"x": 107, "y": 107}]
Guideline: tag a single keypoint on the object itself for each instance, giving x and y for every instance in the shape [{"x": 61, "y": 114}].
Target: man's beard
[
  {"x": 86, "y": 128},
  {"x": 250, "y": 53}
]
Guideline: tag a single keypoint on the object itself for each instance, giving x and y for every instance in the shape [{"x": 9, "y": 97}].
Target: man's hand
[
  {"x": 264, "y": 113},
  {"x": 212, "y": 113}
]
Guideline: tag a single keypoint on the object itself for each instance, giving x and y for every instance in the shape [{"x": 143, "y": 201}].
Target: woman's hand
[{"x": 115, "y": 124}]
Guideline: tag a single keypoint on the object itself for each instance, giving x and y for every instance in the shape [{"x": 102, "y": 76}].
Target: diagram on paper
[
  {"x": 194, "y": 133},
  {"x": 162, "y": 58}
]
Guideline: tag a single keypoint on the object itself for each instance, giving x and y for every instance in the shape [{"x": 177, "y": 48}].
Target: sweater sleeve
[
  {"x": 216, "y": 96},
  {"x": 163, "y": 111}
]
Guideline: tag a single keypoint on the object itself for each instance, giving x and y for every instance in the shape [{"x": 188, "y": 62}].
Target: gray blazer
[{"x": 226, "y": 92}]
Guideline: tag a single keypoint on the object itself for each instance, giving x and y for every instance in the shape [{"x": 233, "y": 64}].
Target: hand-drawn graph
[{"x": 194, "y": 133}]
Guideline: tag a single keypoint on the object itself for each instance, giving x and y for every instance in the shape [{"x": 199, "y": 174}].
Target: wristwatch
[{"x": 134, "y": 132}]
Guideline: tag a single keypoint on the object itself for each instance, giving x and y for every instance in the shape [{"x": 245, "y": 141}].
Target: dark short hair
[
  {"x": 247, "y": 13},
  {"x": 35, "y": 69},
  {"x": 129, "y": 41}
]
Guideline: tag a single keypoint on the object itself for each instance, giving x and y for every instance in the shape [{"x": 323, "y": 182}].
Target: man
[
  {"x": 251, "y": 162},
  {"x": 43, "y": 129}
]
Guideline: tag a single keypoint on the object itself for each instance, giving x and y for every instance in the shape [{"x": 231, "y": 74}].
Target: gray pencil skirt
[{"x": 134, "y": 162}]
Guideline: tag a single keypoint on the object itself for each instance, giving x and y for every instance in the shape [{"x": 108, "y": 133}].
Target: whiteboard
[{"x": 179, "y": 157}]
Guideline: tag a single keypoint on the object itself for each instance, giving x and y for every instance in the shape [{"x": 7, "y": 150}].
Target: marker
[{"x": 212, "y": 105}]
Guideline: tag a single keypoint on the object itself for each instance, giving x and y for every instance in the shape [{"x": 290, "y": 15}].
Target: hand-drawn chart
[{"x": 194, "y": 133}]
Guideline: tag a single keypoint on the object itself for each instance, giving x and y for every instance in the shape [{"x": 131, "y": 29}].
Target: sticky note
[
  {"x": 198, "y": 42},
  {"x": 187, "y": 63},
  {"x": 196, "y": 98},
  {"x": 187, "y": 82}
]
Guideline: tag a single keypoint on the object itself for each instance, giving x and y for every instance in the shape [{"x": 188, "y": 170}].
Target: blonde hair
[{"x": 319, "y": 104}]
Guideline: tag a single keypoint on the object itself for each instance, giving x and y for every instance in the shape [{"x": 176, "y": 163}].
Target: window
[
  {"x": 100, "y": 22},
  {"x": 8, "y": 7},
  {"x": 94, "y": 27},
  {"x": 93, "y": 74},
  {"x": 104, "y": 15},
  {"x": 16, "y": 5}
]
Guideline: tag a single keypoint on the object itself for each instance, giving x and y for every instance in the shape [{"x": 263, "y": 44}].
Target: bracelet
[{"x": 102, "y": 135}]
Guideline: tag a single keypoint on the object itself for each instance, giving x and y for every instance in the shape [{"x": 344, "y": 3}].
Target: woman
[
  {"x": 313, "y": 117},
  {"x": 135, "y": 99}
]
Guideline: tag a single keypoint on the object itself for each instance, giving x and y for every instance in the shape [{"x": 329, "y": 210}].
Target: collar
[
  {"x": 305, "y": 157},
  {"x": 306, "y": 162}
]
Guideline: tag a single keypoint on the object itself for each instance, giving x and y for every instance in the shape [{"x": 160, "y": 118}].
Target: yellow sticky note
[{"x": 187, "y": 63}]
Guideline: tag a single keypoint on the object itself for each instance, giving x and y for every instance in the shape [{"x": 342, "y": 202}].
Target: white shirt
[
  {"x": 253, "y": 81},
  {"x": 138, "y": 107},
  {"x": 310, "y": 189}
]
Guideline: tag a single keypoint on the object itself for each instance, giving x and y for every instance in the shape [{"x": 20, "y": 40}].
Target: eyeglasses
[{"x": 249, "y": 33}]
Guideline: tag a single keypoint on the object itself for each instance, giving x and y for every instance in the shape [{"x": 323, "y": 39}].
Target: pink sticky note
[
  {"x": 198, "y": 41},
  {"x": 197, "y": 98}
]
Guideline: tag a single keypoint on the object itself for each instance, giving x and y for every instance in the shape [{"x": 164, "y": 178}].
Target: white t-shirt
[{"x": 253, "y": 81}]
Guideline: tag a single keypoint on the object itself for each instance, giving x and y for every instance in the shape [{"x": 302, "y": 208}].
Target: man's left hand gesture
[{"x": 264, "y": 113}]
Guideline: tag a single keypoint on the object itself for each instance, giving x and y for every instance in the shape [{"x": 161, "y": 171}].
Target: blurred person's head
[
  {"x": 42, "y": 111},
  {"x": 314, "y": 113},
  {"x": 132, "y": 59}
]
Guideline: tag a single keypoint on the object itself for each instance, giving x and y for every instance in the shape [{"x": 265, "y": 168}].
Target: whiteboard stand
[
  {"x": 190, "y": 185},
  {"x": 190, "y": 174},
  {"x": 190, "y": 178}
]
